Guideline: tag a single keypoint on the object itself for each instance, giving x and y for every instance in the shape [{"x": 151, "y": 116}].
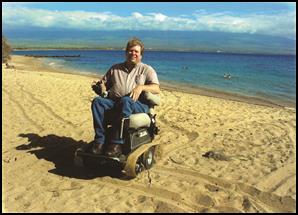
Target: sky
[{"x": 274, "y": 19}]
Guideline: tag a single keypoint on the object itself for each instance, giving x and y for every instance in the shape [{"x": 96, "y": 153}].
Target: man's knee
[
  {"x": 96, "y": 100},
  {"x": 99, "y": 102}
]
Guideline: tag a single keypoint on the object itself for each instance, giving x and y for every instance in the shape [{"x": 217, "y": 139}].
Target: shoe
[
  {"x": 97, "y": 148},
  {"x": 114, "y": 150}
]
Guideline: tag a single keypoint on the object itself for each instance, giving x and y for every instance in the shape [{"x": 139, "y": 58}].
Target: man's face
[{"x": 133, "y": 54}]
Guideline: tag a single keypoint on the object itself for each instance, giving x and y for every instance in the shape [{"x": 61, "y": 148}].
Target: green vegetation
[{"x": 6, "y": 49}]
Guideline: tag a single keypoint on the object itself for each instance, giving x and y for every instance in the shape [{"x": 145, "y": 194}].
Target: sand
[{"x": 46, "y": 116}]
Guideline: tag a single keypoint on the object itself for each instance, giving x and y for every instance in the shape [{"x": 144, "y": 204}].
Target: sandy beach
[{"x": 47, "y": 116}]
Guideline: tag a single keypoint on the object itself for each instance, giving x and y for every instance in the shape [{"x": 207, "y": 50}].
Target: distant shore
[{"x": 153, "y": 50}]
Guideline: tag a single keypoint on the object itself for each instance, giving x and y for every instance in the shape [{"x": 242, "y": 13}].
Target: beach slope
[{"x": 215, "y": 155}]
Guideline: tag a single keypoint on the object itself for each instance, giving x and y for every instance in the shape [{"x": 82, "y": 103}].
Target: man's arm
[
  {"x": 136, "y": 92},
  {"x": 152, "y": 88}
]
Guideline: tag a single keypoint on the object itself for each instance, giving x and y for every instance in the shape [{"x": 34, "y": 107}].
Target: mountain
[{"x": 157, "y": 40}]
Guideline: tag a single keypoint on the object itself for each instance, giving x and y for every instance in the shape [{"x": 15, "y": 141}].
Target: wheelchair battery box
[{"x": 138, "y": 137}]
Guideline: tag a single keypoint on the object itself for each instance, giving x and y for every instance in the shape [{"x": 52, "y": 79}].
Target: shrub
[{"x": 6, "y": 49}]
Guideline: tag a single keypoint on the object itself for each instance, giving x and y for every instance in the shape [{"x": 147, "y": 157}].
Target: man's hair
[{"x": 135, "y": 42}]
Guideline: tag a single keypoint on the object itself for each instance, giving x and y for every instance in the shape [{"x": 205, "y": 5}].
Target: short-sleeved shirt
[{"x": 121, "y": 82}]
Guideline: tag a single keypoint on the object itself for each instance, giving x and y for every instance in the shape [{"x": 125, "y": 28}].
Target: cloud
[
  {"x": 278, "y": 24},
  {"x": 137, "y": 15},
  {"x": 158, "y": 17},
  {"x": 283, "y": 24}
]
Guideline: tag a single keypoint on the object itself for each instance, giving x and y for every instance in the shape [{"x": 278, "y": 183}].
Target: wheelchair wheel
[{"x": 148, "y": 158}]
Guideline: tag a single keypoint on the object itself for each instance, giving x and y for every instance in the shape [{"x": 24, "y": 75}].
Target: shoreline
[
  {"x": 174, "y": 87},
  {"x": 226, "y": 96}
]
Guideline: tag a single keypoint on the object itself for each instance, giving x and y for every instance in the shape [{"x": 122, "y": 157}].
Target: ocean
[{"x": 267, "y": 77}]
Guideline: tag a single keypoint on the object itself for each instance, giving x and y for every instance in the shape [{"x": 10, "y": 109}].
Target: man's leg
[
  {"x": 126, "y": 106},
  {"x": 99, "y": 107}
]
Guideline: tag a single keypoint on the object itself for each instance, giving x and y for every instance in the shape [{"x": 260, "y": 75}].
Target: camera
[{"x": 97, "y": 88}]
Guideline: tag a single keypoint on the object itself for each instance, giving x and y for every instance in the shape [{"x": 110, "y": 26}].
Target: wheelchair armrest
[{"x": 153, "y": 99}]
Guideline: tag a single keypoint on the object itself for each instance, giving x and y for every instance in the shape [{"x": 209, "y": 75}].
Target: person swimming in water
[{"x": 227, "y": 76}]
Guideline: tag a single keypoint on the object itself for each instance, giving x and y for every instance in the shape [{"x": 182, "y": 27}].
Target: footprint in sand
[{"x": 205, "y": 200}]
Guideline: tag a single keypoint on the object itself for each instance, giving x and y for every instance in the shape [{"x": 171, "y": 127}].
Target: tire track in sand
[
  {"x": 260, "y": 200},
  {"x": 179, "y": 131},
  {"x": 46, "y": 107},
  {"x": 157, "y": 193},
  {"x": 20, "y": 107}
]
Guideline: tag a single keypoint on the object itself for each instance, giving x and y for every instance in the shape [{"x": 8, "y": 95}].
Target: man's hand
[{"x": 136, "y": 92}]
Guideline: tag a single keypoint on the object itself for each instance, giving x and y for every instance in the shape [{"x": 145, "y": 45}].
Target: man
[{"x": 124, "y": 83}]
